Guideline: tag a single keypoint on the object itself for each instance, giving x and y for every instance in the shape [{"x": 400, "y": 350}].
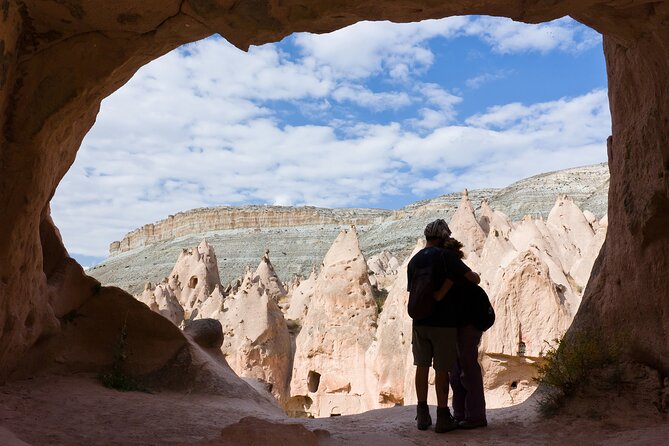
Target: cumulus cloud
[
  {"x": 364, "y": 97},
  {"x": 344, "y": 119},
  {"x": 477, "y": 81},
  {"x": 506, "y": 36}
]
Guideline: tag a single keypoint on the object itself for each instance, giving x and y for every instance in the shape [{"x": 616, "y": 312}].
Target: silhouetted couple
[{"x": 443, "y": 338}]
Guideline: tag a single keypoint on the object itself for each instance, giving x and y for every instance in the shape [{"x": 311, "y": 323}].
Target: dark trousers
[{"x": 466, "y": 378}]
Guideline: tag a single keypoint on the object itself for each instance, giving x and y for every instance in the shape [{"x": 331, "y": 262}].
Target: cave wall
[
  {"x": 59, "y": 59},
  {"x": 627, "y": 297}
]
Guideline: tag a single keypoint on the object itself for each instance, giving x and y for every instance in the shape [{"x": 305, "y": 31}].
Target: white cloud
[
  {"x": 367, "y": 48},
  {"x": 362, "y": 96},
  {"x": 477, "y": 81},
  {"x": 511, "y": 142},
  {"x": 200, "y": 127},
  {"x": 506, "y": 36}
]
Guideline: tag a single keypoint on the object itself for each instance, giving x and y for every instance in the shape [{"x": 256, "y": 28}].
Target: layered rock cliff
[
  {"x": 199, "y": 221},
  {"x": 299, "y": 237}
]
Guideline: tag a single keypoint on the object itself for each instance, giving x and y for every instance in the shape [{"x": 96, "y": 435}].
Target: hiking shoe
[
  {"x": 423, "y": 418},
  {"x": 469, "y": 424},
  {"x": 445, "y": 421}
]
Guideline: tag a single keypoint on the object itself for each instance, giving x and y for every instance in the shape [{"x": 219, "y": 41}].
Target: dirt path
[{"x": 76, "y": 410}]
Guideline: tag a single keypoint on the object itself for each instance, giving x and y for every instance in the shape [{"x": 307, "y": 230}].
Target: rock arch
[{"x": 59, "y": 59}]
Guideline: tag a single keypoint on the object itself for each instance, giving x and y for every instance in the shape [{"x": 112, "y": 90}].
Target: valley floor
[{"x": 76, "y": 410}]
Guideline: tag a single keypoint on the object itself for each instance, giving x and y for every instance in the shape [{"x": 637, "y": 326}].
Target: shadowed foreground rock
[{"x": 254, "y": 431}]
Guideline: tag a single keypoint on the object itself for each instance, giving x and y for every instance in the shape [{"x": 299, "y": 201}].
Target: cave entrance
[
  {"x": 423, "y": 110},
  {"x": 313, "y": 381}
]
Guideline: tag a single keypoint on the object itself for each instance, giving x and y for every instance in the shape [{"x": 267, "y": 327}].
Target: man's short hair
[{"x": 437, "y": 229}]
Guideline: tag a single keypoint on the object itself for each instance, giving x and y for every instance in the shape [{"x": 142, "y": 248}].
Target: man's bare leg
[
  {"x": 441, "y": 386},
  {"x": 422, "y": 374}
]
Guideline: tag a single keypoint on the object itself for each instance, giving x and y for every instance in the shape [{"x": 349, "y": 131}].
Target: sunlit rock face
[
  {"x": 300, "y": 298},
  {"x": 465, "y": 226},
  {"x": 389, "y": 356},
  {"x": 268, "y": 278},
  {"x": 46, "y": 108},
  {"x": 195, "y": 275},
  {"x": 329, "y": 371},
  {"x": 162, "y": 300},
  {"x": 256, "y": 341},
  {"x": 533, "y": 294},
  {"x": 222, "y": 218}
]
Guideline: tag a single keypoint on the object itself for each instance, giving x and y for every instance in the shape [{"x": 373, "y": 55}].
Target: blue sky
[{"x": 373, "y": 115}]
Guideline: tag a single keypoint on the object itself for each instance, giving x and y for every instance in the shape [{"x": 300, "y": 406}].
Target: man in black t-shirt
[{"x": 434, "y": 337}]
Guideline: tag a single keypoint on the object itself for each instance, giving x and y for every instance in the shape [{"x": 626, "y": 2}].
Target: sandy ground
[{"x": 76, "y": 410}]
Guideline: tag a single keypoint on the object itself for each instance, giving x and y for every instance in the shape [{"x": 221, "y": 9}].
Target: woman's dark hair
[{"x": 454, "y": 245}]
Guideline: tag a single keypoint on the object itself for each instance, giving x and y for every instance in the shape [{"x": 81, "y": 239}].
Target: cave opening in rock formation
[
  {"x": 313, "y": 381},
  {"x": 53, "y": 106},
  {"x": 183, "y": 120}
]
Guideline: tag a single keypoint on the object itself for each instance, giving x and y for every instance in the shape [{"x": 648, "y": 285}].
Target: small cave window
[
  {"x": 514, "y": 385},
  {"x": 313, "y": 381},
  {"x": 521, "y": 348},
  {"x": 192, "y": 283},
  {"x": 335, "y": 412}
]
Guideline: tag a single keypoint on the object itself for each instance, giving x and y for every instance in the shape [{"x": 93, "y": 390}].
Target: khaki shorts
[{"x": 434, "y": 342}]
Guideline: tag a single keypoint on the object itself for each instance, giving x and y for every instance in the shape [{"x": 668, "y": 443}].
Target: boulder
[{"x": 207, "y": 333}]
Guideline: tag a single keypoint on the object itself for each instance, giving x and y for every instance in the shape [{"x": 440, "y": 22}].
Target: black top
[{"x": 447, "y": 264}]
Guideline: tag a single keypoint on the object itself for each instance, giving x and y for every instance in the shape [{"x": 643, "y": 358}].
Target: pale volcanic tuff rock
[
  {"x": 255, "y": 339},
  {"x": 162, "y": 300},
  {"x": 267, "y": 276},
  {"x": 195, "y": 275},
  {"x": 338, "y": 329},
  {"x": 581, "y": 269},
  {"x": 212, "y": 306},
  {"x": 388, "y": 357},
  {"x": 465, "y": 226},
  {"x": 383, "y": 263},
  {"x": 569, "y": 223},
  {"x": 529, "y": 307},
  {"x": 300, "y": 297},
  {"x": 256, "y": 342},
  {"x": 519, "y": 265},
  {"x": 382, "y": 269},
  {"x": 490, "y": 217}
]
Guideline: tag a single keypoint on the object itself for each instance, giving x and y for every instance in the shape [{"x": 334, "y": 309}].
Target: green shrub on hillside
[
  {"x": 568, "y": 365},
  {"x": 117, "y": 377}
]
